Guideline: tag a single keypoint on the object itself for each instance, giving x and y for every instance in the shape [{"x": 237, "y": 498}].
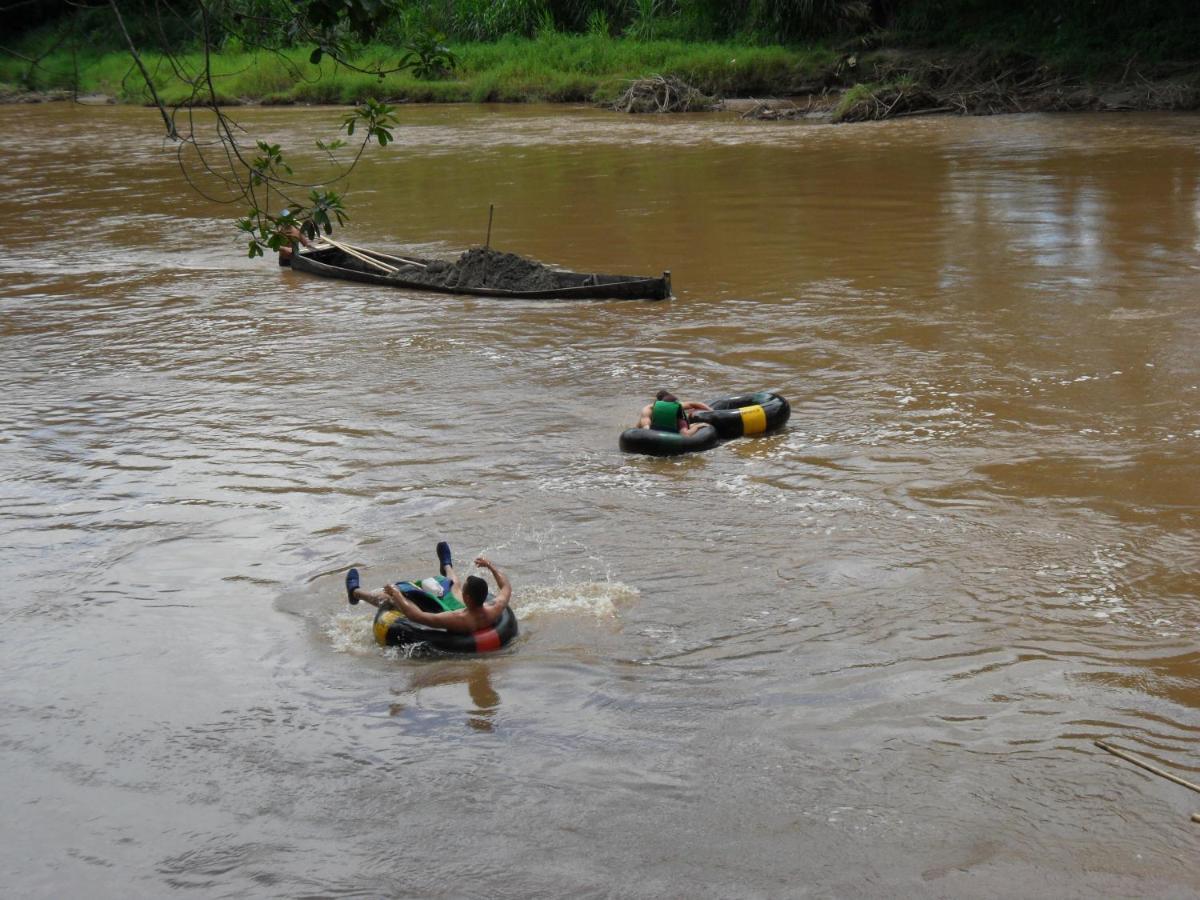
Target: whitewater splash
[
  {"x": 349, "y": 631},
  {"x": 591, "y": 599}
]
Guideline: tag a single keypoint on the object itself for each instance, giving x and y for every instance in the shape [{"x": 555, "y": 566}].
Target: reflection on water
[
  {"x": 887, "y": 634},
  {"x": 475, "y": 675}
]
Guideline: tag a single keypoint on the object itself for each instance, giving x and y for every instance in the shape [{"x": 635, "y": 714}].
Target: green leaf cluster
[
  {"x": 323, "y": 210},
  {"x": 428, "y": 57}
]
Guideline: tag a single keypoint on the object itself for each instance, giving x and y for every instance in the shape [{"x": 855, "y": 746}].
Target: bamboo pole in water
[{"x": 1115, "y": 751}]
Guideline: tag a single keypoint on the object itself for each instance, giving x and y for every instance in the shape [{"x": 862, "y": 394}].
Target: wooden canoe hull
[{"x": 324, "y": 262}]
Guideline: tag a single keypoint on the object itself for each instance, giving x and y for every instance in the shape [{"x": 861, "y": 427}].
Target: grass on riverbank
[{"x": 553, "y": 67}]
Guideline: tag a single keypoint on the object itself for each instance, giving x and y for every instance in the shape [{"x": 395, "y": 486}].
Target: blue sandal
[
  {"x": 352, "y": 586},
  {"x": 443, "y": 555}
]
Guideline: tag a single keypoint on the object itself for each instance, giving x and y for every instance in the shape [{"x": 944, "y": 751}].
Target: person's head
[
  {"x": 666, "y": 397},
  {"x": 474, "y": 591}
]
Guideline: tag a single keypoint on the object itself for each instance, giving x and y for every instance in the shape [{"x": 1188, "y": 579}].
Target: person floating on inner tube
[
  {"x": 669, "y": 413},
  {"x": 476, "y": 615}
]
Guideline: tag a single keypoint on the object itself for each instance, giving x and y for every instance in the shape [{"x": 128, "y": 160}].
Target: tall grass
[{"x": 553, "y": 66}]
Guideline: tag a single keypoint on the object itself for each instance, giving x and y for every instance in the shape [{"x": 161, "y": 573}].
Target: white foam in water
[
  {"x": 1096, "y": 586},
  {"x": 594, "y": 599},
  {"x": 349, "y": 631}
]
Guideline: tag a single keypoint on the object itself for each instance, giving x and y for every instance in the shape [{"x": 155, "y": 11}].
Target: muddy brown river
[{"x": 865, "y": 657}]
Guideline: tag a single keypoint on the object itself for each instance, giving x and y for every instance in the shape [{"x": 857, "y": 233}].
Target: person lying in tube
[
  {"x": 669, "y": 413},
  {"x": 476, "y": 614}
]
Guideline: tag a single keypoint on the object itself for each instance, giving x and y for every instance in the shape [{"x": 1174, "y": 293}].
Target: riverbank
[{"x": 829, "y": 82}]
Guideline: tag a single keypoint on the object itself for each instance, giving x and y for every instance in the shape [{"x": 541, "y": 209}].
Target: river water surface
[{"x": 864, "y": 657}]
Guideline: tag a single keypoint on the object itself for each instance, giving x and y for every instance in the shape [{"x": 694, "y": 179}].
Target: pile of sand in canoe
[{"x": 480, "y": 267}]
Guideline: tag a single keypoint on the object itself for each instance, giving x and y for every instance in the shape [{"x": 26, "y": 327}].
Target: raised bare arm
[{"x": 503, "y": 587}]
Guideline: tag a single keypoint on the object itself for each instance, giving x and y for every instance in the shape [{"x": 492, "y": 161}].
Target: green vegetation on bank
[
  {"x": 1062, "y": 32},
  {"x": 578, "y": 50},
  {"x": 551, "y": 67}
]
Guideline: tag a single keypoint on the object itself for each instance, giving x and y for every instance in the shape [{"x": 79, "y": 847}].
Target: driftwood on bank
[
  {"x": 776, "y": 110},
  {"x": 659, "y": 94},
  {"x": 891, "y": 101},
  {"x": 892, "y": 86}
]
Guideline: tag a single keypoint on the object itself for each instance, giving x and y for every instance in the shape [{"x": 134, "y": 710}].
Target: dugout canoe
[{"x": 333, "y": 262}]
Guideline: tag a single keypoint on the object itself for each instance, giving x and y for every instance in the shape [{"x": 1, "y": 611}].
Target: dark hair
[
  {"x": 666, "y": 396},
  {"x": 475, "y": 591}
]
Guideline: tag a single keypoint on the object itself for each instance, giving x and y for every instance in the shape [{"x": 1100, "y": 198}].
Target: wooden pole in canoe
[
  {"x": 488, "y": 243},
  {"x": 1148, "y": 767},
  {"x": 407, "y": 262},
  {"x": 345, "y": 248}
]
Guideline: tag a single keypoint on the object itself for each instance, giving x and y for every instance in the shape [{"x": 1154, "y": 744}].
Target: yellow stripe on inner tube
[
  {"x": 754, "y": 419},
  {"x": 382, "y": 623}
]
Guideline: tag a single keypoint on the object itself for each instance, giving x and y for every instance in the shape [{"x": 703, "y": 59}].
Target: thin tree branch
[{"x": 146, "y": 75}]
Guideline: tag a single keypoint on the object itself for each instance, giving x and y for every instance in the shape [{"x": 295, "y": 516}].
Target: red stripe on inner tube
[{"x": 486, "y": 641}]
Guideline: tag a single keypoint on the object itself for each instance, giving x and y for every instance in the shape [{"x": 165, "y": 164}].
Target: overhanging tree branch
[
  {"x": 215, "y": 152},
  {"x": 167, "y": 120}
]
